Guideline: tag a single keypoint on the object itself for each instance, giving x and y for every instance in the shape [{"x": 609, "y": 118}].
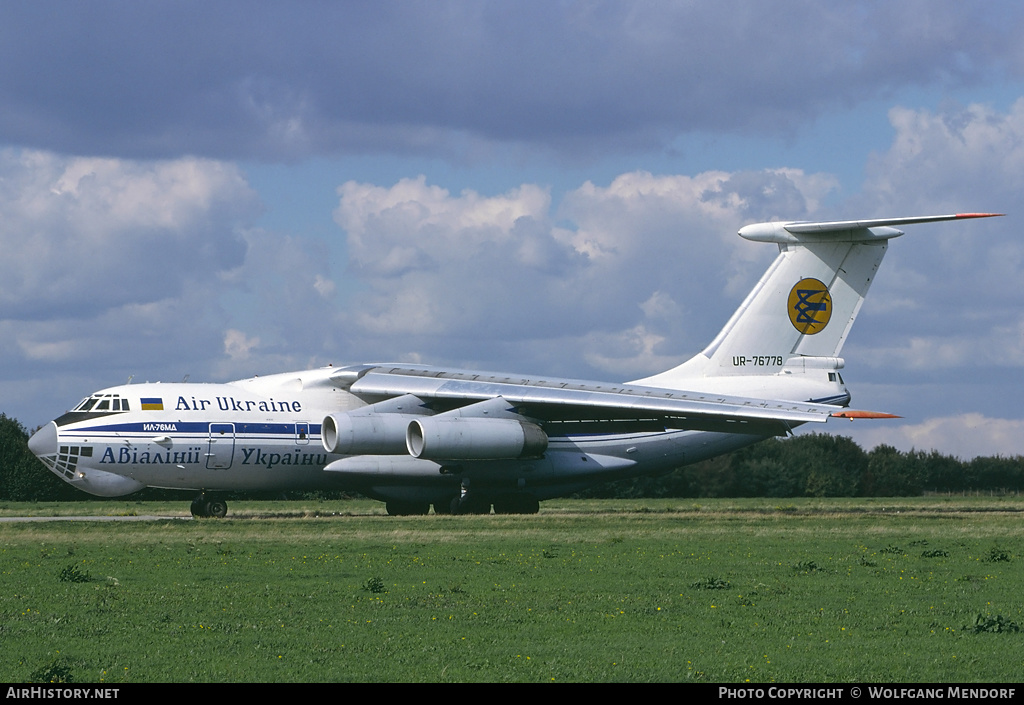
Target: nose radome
[{"x": 44, "y": 441}]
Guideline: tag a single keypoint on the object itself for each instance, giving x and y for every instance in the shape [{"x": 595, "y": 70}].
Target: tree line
[
  {"x": 822, "y": 465},
  {"x": 813, "y": 465}
]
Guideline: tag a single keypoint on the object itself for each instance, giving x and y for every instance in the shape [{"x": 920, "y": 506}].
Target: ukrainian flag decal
[
  {"x": 152, "y": 404},
  {"x": 810, "y": 306}
]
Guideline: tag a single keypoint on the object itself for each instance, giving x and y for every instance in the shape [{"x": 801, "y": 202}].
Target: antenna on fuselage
[
  {"x": 130, "y": 378},
  {"x": 185, "y": 379}
]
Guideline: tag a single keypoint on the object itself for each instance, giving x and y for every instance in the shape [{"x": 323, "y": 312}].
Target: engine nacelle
[
  {"x": 372, "y": 434},
  {"x": 470, "y": 438},
  {"x": 377, "y": 429}
]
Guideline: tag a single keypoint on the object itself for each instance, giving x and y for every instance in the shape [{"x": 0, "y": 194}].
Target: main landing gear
[{"x": 205, "y": 506}]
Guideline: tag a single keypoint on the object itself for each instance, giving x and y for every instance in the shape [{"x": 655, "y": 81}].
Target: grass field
[{"x": 635, "y": 590}]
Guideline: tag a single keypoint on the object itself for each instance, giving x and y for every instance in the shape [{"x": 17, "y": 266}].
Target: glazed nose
[{"x": 44, "y": 441}]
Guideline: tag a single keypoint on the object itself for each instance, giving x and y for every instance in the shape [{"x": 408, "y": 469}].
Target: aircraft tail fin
[{"x": 799, "y": 314}]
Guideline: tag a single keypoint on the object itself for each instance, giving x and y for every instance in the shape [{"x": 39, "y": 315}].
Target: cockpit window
[
  {"x": 103, "y": 403},
  {"x": 93, "y": 407}
]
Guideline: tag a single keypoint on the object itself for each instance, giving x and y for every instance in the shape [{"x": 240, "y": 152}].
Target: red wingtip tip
[
  {"x": 979, "y": 215},
  {"x": 854, "y": 414}
]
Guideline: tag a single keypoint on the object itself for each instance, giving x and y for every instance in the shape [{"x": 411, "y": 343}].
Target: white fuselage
[{"x": 264, "y": 433}]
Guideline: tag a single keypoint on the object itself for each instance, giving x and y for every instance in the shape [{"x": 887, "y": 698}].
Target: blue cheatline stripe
[
  {"x": 202, "y": 427},
  {"x": 838, "y": 399}
]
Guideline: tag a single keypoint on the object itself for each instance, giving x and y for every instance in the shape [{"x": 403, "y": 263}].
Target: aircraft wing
[{"x": 573, "y": 403}]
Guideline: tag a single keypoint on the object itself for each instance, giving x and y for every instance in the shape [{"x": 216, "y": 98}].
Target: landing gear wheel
[
  {"x": 217, "y": 508},
  {"x": 203, "y": 506},
  {"x": 397, "y": 508},
  {"x": 444, "y": 507}
]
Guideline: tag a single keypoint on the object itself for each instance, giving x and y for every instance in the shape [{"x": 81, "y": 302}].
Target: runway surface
[{"x": 97, "y": 518}]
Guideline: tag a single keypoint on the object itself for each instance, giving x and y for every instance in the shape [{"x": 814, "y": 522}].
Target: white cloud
[
  {"x": 238, "y": 346},
  {"x": 82, "y": 235},
  {"x": 408, "y": 226},
  {"x": 113, "y": 267},
  {"x": 168, "y": 195},
  {"x": 609, "y": 217},
  {"x": 48, "y": 351},
  {"x": 660, "y": 305},
  {"x": 436, "y": 262},
  {"x": 994, "y": 346},
  {"x": 324, "y": 286},
  {"x": 634, "y": 349},
  {"x": 975, "y": 146}
]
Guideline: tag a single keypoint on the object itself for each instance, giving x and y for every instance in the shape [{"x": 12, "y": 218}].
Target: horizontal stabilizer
[
  {"x": 832, "y": 226},
  {"x": 858, "y": 230}
]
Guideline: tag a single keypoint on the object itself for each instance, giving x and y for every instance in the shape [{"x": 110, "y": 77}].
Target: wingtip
[
  {"x": 855, "y": 414},
  {"x": 979, "y": 215}
]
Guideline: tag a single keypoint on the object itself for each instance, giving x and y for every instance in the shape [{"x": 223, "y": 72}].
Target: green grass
[{"x": 640, "y": 590}]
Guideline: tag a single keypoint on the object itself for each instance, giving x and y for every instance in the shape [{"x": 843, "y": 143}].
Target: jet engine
[
  {"x": 377, "y": 429},
  {"x": 460, "y": 438},
  {"x": 376, "y": 434}
]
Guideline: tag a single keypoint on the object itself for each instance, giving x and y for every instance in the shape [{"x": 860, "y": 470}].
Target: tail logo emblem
[{"x": 810, "y": 306}]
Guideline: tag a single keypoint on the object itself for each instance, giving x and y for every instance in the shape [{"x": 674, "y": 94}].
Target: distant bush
[{"x": 22, "y": 477}]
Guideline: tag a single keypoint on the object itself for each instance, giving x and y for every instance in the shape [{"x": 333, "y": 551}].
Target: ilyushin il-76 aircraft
[{"x": 462, "y": 441}]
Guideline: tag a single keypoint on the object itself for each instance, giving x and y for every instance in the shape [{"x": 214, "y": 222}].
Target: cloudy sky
[{"x": 225, "y": 189}]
